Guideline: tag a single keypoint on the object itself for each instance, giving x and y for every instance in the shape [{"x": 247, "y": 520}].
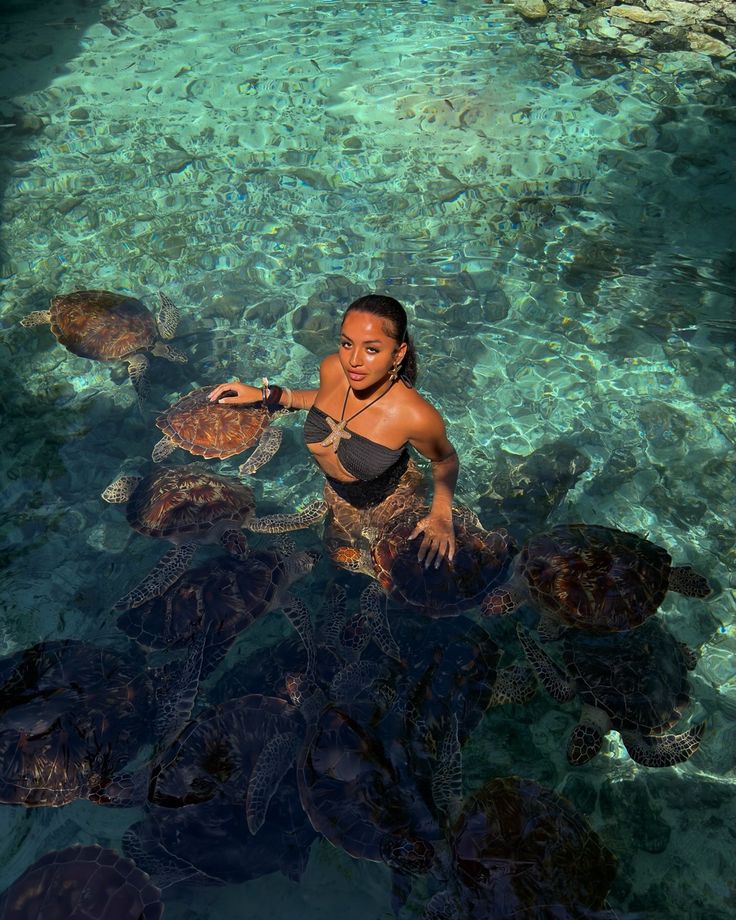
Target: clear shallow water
[{"x": 563, "y": 242}]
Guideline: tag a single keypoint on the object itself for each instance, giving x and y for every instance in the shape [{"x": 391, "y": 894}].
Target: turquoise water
[{"x": 563, "y": 242}]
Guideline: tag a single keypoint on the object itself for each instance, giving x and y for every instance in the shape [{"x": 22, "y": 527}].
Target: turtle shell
[
  {"x": 638, "y": 678},
  {"x": 223, "y": 596},
  {"x": 102, "y": 325},
  {"x": 213, "y": 430},
  {"x": 195, "y": 824},
  {"x": 482, "y": 560},
  {"x": 595, "y": 577},
  {"x": 451, "y": 667},
  {"x": 187, "y": 501},
  {"x": 517, "y": 845},
  {"x": 82, "y": 882},
  {"x": 360, "y": 796},
  {"x": 71, "y": 715}
]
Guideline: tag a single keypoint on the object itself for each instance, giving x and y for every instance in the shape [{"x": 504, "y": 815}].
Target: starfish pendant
[{"x": 337, "y": 434}]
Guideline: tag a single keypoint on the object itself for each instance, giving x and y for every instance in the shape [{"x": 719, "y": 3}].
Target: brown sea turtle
[
  {"x": 224, "y": 596},
  {"x": 73, "y": 715},
  {"x": 520, "y": 850},
  {"x": 634, "y": 682},
  {"x": 482, "y": 561},
  {"x": 218, "y": 430},
  {"x": 194, "y": 826},
  {"x": 80, "y": 883},
  {"x": 105, "y": 326},
  {"x": 190, "y": 505},
  {"x": 594, "y": 577}
]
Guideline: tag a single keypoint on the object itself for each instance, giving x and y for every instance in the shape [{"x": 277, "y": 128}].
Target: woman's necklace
[{"x": 337, "y": 429}]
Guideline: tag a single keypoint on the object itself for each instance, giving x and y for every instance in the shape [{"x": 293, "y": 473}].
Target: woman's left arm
[{"x": 438, "y": 533}]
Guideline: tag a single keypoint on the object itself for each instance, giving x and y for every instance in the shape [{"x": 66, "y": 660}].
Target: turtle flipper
[
  {"x": 663, "y": 750},
  {"x": 233, "y": 540},
  {"x": 373, "y": 611},
  {"x": 685, "y": 580},
  {"x": 119, "y": 491},
  {"x": 37, "y": 318},
  {"x": 353, "y": 679},
  {"x": 281, "y": 523},
  {"x": 138, "y": 373},
  {"x": 515, "y": 684},
  {"x": 268, "y": 771},
  {"x": 162, "y": 449},
  {"x": 298, "y": 615},
  {"x": 447, "y": 782},
  {"x": 162, "y": 576},
  {"x": 166, "y": 869},
  {"x": 177, "y": 691},
  {"x": 168, "y": 316},
  {"x": 267, "y": 447},
  {"x": 550, "y": 674}
]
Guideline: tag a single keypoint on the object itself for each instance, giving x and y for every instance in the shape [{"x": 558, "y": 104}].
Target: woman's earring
[{"x": 393, "y": 375}]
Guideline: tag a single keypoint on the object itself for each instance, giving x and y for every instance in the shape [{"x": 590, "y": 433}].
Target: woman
[{"x": 361, "y": 419}]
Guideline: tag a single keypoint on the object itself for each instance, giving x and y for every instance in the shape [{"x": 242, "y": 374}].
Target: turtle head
[{"x": 408, "y": 854}]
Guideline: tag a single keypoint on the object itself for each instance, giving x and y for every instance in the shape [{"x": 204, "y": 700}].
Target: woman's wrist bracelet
[{"x": 270, "y": 394}]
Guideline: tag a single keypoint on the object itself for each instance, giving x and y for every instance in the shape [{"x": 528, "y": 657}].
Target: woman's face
[{"x": 366, "y": 352}]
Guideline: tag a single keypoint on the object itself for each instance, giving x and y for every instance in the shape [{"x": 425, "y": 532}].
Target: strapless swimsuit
[{"x": 377, "y": 468}]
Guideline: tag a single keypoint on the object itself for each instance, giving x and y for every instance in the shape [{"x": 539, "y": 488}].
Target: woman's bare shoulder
[
  {"x": 419, "y": 412},
  {"x": 330, "y": 368}
]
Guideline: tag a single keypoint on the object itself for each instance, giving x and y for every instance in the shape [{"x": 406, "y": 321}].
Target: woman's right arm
[{"x": 239, "y": 394}]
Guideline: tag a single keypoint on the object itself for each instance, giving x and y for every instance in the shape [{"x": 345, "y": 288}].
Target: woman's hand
[
  {"x": 236, "y": 393},
  {"x": 438, "y": 540}
]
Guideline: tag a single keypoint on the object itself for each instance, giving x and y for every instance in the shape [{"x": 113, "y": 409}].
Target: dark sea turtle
[
  {"x": 82, "y": 883},
  {"x": 359, "y": 792},
  {"x": 105, "y": 326},
  {"x": 634, "y": 682},
  {"x": 597, "y": 578},
  {"x": 522, "y": 492},
  {"x": 451, "y": 667},
  {"x": 482, "y": 561},
  {"x": 194, "y": 827},
  {"x": 73, "y": 714},
  {"x": 520, "y": 850},
  {"x": 190, "y": 505},
  {"x": 223, "y": 596},
  {"x": 216, "y": 430}
]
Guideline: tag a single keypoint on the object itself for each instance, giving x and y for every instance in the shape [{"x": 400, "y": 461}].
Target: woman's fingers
[{"x": 220, "y": 389}]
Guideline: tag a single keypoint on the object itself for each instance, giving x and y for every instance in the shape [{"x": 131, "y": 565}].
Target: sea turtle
[
  {"x": 634, "y": 682},
  {"x": 194, "y": 827},
  {"x": 520, "y": 850},
  {"x": 523, "y": 491},
  {"x": 190, "y": 505},
  {"x": 105, "y": 326},
  {"x": 80, "y": 883},
  {"x": 482, "y": 560},
  {"x": 594, "y": 577},
  {"x": 73, "y": 714},
  {"x": 451, "y": 667},
  {"x": 223, "y": 596},
  {"x": 218, "y": 430}
]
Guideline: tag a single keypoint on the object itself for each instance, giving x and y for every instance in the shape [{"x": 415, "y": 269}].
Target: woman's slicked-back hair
[{"x": 396, "y": 322}]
